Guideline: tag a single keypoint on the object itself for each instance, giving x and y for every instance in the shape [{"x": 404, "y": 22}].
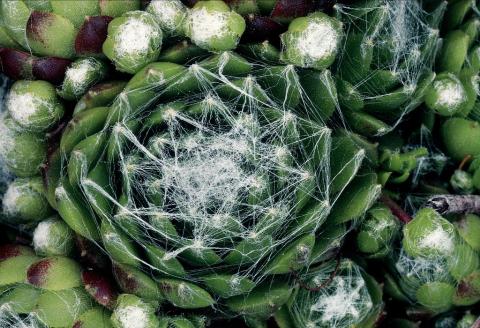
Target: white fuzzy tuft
[
  {"x": 23, "y": 106},
  {"x": 78, "y": 74},
  {"x": 41, "y": 235},
  {"x": 206, "y": 25},
  {"x": 10, "y": 199},
  {"x": 134, "y": 37},
  {"x": 318, "y": 41},
  {"x": 439, "y": 240},
  {"x": 343, "y": 302},
  {"x": 132, "y": 317},
  {"x": 208, "y": 173},
  {"x": 167, "y": 12},
  {"x": 451, "y": 94}
]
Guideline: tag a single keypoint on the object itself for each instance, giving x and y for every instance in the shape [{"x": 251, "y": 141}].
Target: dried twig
[
  {"x": 476, "y": 324},
  {"x": 324, "y": 284},
  {"x": 455, "y": 204}
]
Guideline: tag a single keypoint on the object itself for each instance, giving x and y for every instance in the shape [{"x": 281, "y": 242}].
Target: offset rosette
[
  {"x": 24, "y": 201},
  {"x": 134, "y": 40},
  {"x": 39, "y": 291},
  {"x": 80, "y": 76},
  {"x": 386, "y": 67},
  {"x": 438, "y": 266},
  {"x": 213, "y": 26},
  {"x": 170, "y": 15},
  {"x": 335, "y": 294},
  {"x": 312, "y": 41},
  {"x": 377, "y": 232},
  {"x": 34, "y": 105},
  {"x": 38, "y": 39},
  {"x": 23, "y": 152}
]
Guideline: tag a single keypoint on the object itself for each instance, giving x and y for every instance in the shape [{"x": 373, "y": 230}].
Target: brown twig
[
  {"x": 323, "y": 285},
  {"x": 396, "y": 209},
  {"x": 455, "y": 204}
]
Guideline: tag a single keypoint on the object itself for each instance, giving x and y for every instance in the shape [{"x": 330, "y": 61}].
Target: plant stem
[
  {"x": 396, "y": 209},
  {"x": 465, "y": 160}
]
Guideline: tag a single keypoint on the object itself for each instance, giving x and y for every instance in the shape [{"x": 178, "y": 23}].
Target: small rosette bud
[
  {"x": 312, "y": 41},
  {"x": 80, "y": 76},
  {"x": 34, "y": 105},
  {"x": 377, "y": 232},
  {"x": 213, "y": 26},
  {"x": 134, "y": 40}
]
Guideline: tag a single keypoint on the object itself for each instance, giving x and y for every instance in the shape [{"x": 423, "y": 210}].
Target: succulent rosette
[
  {"x": 80, "y": 76},
  {"x": 301, "y": 41},
  {"x": 133, "y": 40},
  {"x": 208, "y": 184},
  {"x": 39, "y": 39},
  {"x": 170, "y": 15},
  {"x": 20, "y": 147},
  {"x": 40, "y": 291},
  {"x": 206, "y": 161},
  {"x": 438, "y": 265},
  {"x": 213, "y": 26},
  {"x": 57, "y": 28},
  {"x": 377, "y": 232},
  {"x": 336, "y": 294},
  {"x": 219, "y": 193}
]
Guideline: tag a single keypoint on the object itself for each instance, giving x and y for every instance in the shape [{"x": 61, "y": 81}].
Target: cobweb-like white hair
[
  {"x": 404, "y": 38},
  {"x": 339, "y": 297},
  {"x": 224, "y": 169}
]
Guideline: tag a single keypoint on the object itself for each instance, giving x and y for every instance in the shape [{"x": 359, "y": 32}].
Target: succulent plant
[
  {"x": 387, "y": 64},
  {"x": 134, "y": 40},
  {"x": 207, "y": 161},
  {"x": 23, "y": 152},
  {"x": 459, "y": 136},
  {"x": 170, "y": 15},
  {"x": 437, "y": 267},
  {"x": 24, "y": 201},
  {"x": 462, "y": 182},
  {"x": 301, "y": 41},
  {"x": 59, "y": 29},
  {"x": 447, "y": 95},
  {"x": 40, "y": 291},
  {"x": 454, "y": 91},
  {"x": 243, "y": 195},
  {"x": 52, "y": 237},
  {"x": 377, "y": 232},
  {"x": 81, "y": 75},
  {"x": 334, "y": 295},
  {"x": 39, "y": 39},
  {"x": 222, "y": 189},
  {"x": 213, "y": 26},
  {"x": 34, "y": 105}
]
